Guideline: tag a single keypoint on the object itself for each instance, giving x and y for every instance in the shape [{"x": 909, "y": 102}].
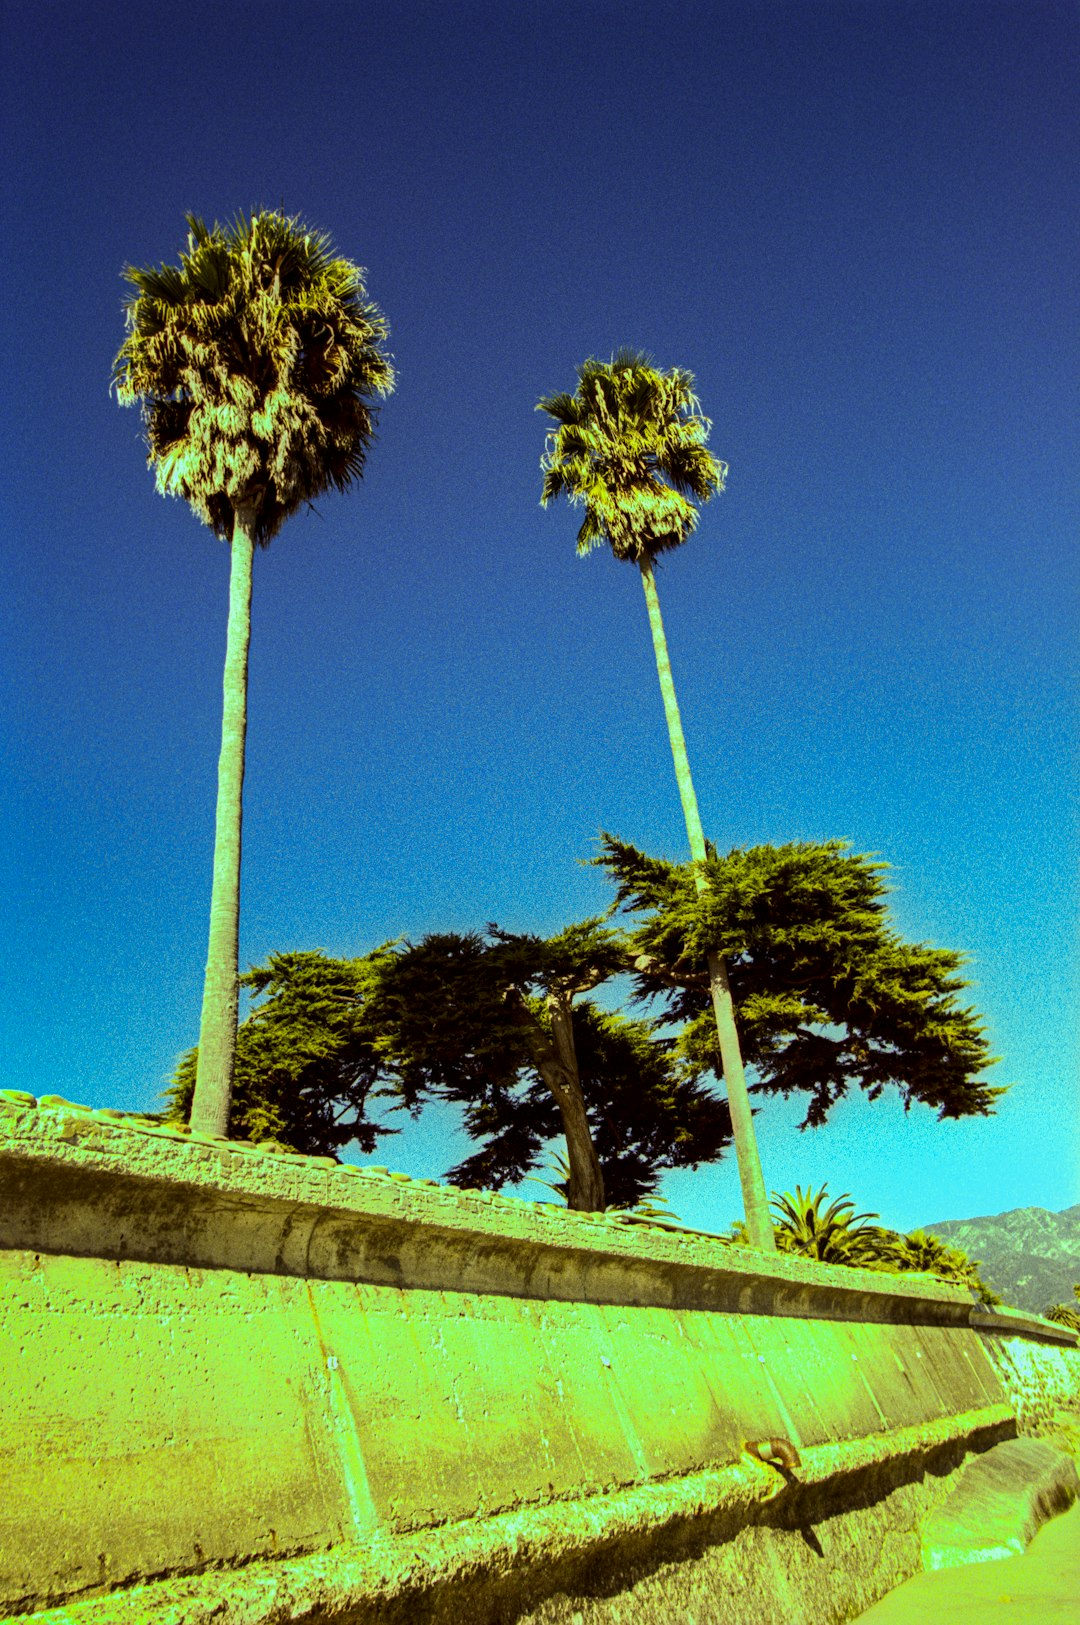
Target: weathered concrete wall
[
  {"x": 281, "y": 1389},
  {"x": 1040, "y": 1376}
]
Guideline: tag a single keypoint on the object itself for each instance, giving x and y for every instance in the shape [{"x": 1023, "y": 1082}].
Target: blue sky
[{"x": 857, "y": 224}]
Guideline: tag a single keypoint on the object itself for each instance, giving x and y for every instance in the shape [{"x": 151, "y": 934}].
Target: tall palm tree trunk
[
  {"x": 755, "y": 1202},
  {"x": 221, "y": 993}
]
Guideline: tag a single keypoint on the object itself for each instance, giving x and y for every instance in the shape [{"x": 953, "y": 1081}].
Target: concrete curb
[{"x": 999, "y": 1503}]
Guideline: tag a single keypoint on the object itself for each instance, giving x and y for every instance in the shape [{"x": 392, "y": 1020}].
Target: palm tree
[
  {"x": 835, "y": 1234},
  {"x": 926, "y": 1253},
  {"x": 255, "y": 361},
  {"x": 629, "y": 446},
  {"x": 1063, "y": 1314}
]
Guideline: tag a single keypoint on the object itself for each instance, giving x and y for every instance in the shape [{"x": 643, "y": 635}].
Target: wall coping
[
  {"x": 102, "y": 1183},
  {"x": 1006, "y": 1322}
]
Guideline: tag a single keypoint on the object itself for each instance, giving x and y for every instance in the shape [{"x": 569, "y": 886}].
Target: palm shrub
[
  {"x": 629, "y": 446},
  {"x": 808, "y": 1225},
  {"x": 256, "y": 361},
  {"x": 1063, "y": 1314},
  {"x": 831, "y": 1232},
  {"x": 928, "y": 1254}
]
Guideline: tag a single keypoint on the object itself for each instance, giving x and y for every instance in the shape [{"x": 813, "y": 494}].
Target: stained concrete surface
[
  {"x": 275, "y": 1388},
  {"x": 1000, "y": 1502},
  {"x": 1041, "y": 1587}
]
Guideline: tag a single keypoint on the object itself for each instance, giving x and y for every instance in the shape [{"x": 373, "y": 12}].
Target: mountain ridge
[{"x": 1029, "y": 1254}]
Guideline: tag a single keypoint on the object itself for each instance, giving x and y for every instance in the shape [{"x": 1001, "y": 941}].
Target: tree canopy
[
  {"x": 828, "y": 994},
  {"x": 257, "y": 360},
  {"x": 471, "y": 1018},
  {"x": 464, "y": 1017},
  {"x": 629, "y": 446},
  {"x": 307, "y": 1059}
]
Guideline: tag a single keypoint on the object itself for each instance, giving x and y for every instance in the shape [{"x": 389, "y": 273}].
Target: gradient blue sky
[{"x": 856, "y": 223}]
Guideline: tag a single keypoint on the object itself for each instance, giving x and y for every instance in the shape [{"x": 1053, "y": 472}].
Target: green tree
[
  {"x": 629, "y": 446},
  {"x": 256, "y": 360},
  {"x": 493, "y": 1023},
  {"x": 497, "y": 1024},
  {"x": 308, "y": 1061},
  {"x": 830, "y": 997}
]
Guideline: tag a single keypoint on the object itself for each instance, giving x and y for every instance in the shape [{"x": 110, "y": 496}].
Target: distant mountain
[{"x": 1030, "y": 1256}]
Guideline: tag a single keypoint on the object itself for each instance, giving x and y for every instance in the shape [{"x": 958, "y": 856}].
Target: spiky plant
[
  {"x": 629, "y": 447},
  {"x": 836, "y": 1234},
  {"x": 922, "y": 1251},
  {"x": 832, "y": 1233},
  {"x": 1064, "y": 1314},
  {"x": 256, "y": 361}
]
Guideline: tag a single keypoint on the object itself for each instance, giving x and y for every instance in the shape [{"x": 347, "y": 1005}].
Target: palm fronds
[
  {"x": 256, "y": 362},
  {"x": 833, "y": 1234},
  {"x": 1064, "y": 1314},
  {"x": 629, "y": 447},
  {"x": 836, "y": 1234}
]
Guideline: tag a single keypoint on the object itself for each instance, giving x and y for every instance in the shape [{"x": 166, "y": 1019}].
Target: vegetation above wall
[
  {"x": 1064, "y": 1314},
  {"x": 829, "y": 995},
  {"x": 472, "y": 1019},
  {"x": 835, "y": 1234},
  {"x": 500, "y": 1023}
]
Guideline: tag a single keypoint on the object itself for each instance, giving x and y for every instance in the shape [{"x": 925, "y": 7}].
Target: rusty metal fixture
[{"x": 777, "y": 1452}]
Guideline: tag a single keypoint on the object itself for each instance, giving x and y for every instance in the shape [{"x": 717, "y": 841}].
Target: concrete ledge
[
  {"x": 1000, "y": 1501},
  {"x": 1005, "y": 1322},
  {"x": 84, "y": 1184}
]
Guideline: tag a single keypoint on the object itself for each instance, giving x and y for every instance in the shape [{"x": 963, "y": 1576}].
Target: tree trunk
[
  {"x": 755, "y": 1201},
  {"x": 555, "y": 1059},
  {"x": 217, "y": 1031}
]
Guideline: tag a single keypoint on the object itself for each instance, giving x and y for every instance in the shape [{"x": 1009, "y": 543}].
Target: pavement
[{"x": 1040, "y": 1587}]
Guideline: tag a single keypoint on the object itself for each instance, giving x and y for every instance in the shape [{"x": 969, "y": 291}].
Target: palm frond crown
[
  {"x": 256, "y": 361},
  {"x": 832, "y": 1234},
  {"x": 629, "y": 446}
]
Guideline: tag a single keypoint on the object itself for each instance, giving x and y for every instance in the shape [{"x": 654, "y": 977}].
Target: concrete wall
[
  {"x": 256, "y": 1387},
  {"x": 1040, "y": 1376}
]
